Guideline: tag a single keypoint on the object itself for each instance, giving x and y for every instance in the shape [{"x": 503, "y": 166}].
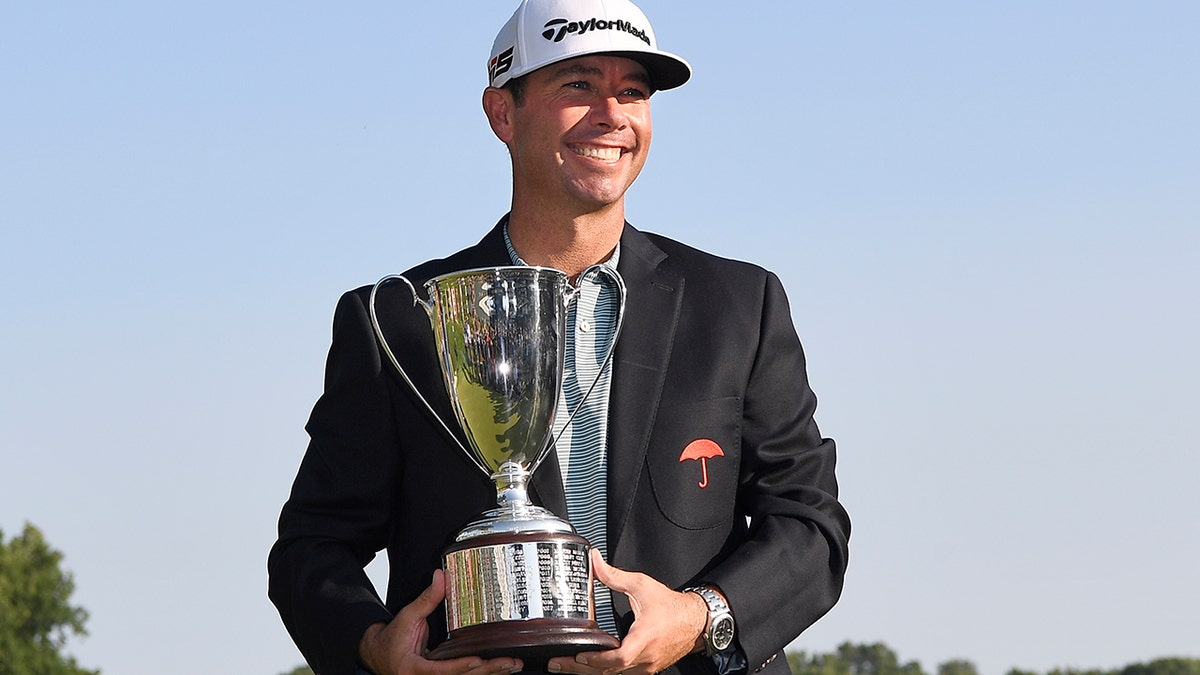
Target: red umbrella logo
[{"x": 701, "y": 449}]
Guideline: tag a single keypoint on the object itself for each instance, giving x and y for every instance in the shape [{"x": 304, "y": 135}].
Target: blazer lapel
[{"x": 655, "y": 295}]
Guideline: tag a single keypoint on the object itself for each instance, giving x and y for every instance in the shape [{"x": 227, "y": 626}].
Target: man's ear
[{"x": 498, "y": 106}]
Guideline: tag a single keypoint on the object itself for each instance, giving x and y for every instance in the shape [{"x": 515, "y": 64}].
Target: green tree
[
  {"x": 1076, "y": 671},
  {"x": 1169, "y": 666},
  {"x": 817, "y": 664},
  {"x": 36, "y": 617},
  {"x": 1164, "y": 666},
  {"x": 875, "y": 659},
  {"x": 854, "y": 659},
  {"x": 957, "y": 667},
  {"x": 299, "y": 670}
]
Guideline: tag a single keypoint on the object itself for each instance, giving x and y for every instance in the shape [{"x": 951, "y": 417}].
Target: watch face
[{"x": 722, "y": 632}]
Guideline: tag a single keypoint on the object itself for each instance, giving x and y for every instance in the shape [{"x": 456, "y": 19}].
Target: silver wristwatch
[{"x": 718, "y": 632}]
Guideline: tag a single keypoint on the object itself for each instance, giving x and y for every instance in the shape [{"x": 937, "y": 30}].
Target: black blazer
[{"x": 707, "y": 351}]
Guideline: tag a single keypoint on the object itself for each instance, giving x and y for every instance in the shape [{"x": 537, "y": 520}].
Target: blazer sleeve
[
  {"x": 336, "y": 517},
  {"x": 789, "y": 571}
]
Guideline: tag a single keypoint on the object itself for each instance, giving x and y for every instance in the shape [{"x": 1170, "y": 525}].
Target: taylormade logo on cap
[
  {"x": 560, "y": 28},
  {"x": 542, "y": 32}
]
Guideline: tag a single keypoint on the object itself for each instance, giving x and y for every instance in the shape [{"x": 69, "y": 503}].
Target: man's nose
[{"x": 608, "y": 112}]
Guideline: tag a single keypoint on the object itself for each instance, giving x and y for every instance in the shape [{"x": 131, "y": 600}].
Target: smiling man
[
  {"x": 709, "y": 566},
  {"x": 578, "y": 133}
]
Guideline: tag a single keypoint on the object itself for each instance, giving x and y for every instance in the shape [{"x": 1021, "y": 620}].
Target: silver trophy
[{"x": 518, "y": 578}]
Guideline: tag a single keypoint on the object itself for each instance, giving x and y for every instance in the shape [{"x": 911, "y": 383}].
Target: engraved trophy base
[
  {"x": 526, "y": 595},
  {"x": 534, "y": 641}
]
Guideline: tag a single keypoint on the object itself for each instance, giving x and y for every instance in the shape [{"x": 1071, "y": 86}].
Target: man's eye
[
  {"x": 578, "y": 85},
  {"x": 635, "y": 93}
]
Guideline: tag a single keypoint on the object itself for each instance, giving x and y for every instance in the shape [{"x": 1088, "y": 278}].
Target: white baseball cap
[{"x": 542, "y": 32}]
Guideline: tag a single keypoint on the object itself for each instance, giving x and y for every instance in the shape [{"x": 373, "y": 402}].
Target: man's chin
[{"x": 601, "y": 194}]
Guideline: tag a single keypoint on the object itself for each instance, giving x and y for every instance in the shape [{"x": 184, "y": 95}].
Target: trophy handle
[
  {"x": 428, "y": 307},
  {"x": 612, "y": 347}
]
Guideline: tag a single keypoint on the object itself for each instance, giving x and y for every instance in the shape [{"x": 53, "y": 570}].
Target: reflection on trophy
[{"x": 518, "y": 578}]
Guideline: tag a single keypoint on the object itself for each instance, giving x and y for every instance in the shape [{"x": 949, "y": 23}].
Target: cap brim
[{"x": 667, "y": 71}]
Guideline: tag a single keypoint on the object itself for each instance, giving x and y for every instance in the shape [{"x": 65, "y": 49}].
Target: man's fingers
[
  {"x": 613, "y": 577},
  {"x": 430, "y": 598},
  {"x": 473, "y": 665},
  {"x": 579, "y": 665},
  {"x": 463, "y": 664},
  {"x": 632, "y": 584}
]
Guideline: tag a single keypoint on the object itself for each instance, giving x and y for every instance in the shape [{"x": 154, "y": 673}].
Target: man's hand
[
  {"x": 667, "y": 626},
  {"x": 400, "y": 647}
]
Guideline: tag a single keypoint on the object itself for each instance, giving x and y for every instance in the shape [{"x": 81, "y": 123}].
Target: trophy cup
[{"x": 518, "y": 578}]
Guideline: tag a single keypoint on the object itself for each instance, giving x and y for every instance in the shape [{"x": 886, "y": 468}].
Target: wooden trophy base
[{"x": 534, "y": 641}]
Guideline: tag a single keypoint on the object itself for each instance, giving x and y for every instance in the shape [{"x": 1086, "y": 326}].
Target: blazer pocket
[{"x": 694, "y": 459}]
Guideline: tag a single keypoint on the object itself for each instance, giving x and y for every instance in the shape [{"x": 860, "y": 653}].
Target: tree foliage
[
  {"x": 855, "y": 659},
  {"x": 299, "y": 670},
  {"x": 1164, "y": 666},
  {"x": 957, "y": 667},
  {"x": 878, "y": 659},
  {"x": 36, "y": 616}
]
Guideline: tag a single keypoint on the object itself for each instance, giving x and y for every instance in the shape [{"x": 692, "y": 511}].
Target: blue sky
[{"x": 987, "y": 217}]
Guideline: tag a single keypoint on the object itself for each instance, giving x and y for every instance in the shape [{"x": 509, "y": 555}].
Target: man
[{"x": 708, "y": 358}]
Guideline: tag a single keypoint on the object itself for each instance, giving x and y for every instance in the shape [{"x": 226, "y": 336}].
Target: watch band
[{"x": 719, "y": 629}]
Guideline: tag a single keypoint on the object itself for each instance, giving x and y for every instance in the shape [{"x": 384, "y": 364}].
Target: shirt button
[{"x": 585, "y": 326}]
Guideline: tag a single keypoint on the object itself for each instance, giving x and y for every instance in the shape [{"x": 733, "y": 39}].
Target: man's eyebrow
[
  {"x": 578, "y": 69},
  {"x": 575, "y": 69}
]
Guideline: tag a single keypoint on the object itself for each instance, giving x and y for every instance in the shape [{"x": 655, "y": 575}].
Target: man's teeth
[{"x": 603, "y": 154}]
